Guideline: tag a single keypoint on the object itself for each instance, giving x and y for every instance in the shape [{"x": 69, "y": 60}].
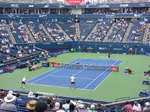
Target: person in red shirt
[
  {"x": 109, "y": 52},
  {"x": 130, "y": 71},
  {"x": 127, "y": 107}
]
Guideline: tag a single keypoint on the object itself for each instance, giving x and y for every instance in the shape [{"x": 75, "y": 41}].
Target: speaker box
[
  {"x": 145, "y": 83},
  {"x": 143, "y": 94}
]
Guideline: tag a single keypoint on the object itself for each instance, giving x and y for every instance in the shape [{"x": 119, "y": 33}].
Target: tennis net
[{"x": 87, "y": 67}]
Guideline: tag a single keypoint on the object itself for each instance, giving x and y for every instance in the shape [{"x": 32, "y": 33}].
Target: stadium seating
[
  {"x": 137, "y": 31},
  {"x": 19, "y": 32},
  {"x": 68, "y": 26},
  {"x": 54, "y": 31},
  {"x": 100, "y": 31},
  {"x": 37, "y": 32},
  {"x": 118, "y": 31},
  {"x": 90, "y": 26},
  {"x": 86, "y": 25},
  {"x": 107, "y": 106}
]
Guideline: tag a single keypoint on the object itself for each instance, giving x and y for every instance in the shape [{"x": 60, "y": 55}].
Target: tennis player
[
  {"x": 24, "y": 79},
  {"x": 72, "y": 78},
  {"x": 109, "y": 53}
]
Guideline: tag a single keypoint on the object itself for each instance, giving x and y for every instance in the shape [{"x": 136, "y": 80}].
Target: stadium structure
[{"x": 29, "y": 28}]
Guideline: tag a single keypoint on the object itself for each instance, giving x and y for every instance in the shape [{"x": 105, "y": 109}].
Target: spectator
[
  {"x": 92, "y": 108},
  {"x": 8, "y": 103},
  {"x": 147, "y": 107},
  {"x": 130, "y": 51},
  {"x": 57, "y": 105},
  {"x": 41, "y": 107},
  {"x": 55, "y": 99},
  {"x": 67, "y": 104},
  {"x": 136, "y": 106},
  {"x": 30, "y": 94},
  {"x": 99, "y": 107},
  {"x": 31, "y": 105},
  {"x": 61, "y": 105},
  {"x": 18, "y": 100},
  {"x": 10, "y": 92},
  {"x": 81, "y": 108},
  {"x": 48, "y": 103},
  {"x": 72, "y": 108},
  {"x": 127, "y": 107},
  {"x": 36, "y": 96}
]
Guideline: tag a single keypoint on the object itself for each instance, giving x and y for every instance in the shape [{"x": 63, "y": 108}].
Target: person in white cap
[
  {"x": 8, "y": 103},
  {"x": 72, "y": 81},
  {"x": 30, "y": 94},
  {"x": 147, "y": 106},
  {"x": 91, "y": 108}
]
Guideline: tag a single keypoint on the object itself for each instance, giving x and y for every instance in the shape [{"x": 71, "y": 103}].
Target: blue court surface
[{"x": 85, "y": 79}]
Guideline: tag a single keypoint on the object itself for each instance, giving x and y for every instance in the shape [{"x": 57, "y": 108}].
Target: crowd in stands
[
  {"x": 100, "y": 31},
  {"x": 19, "y": 31},
  {"x": 29, "y": 102},
  {"x": 37, "y": 32},
  {"x": 148, "y": 37},
  {"x": 64, "y": 30},
  {"x": 85, "y": 27},
  {"x": 10, "y": 51},
  {"x": 56, "y": 33},
  {"x": 141, "y": 10},
  {"x": 68, "y": 26},
  {"x": 62, "y": 2},
  {"x": 118, "y": 31},
  {"x": 137, "y": 31}
]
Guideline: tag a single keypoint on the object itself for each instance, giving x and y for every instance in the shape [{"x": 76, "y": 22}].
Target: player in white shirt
[
  {"x": 24, "y": 79},
  {"x": 72, "y": 81}
]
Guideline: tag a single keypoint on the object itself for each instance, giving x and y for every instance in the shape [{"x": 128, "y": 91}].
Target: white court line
[
  {"x": 69, "y": 77},
  {"x": 48, "y": 75},
  {"x": 98, "y": 76},
  {"x": 106, "y": 77}
]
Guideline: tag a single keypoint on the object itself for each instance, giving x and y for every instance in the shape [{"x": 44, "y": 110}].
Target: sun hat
[
  {"x": 9, "y": 98},
  {"x": 31, "y": 105},
  {"x": 57, "y": 105}
]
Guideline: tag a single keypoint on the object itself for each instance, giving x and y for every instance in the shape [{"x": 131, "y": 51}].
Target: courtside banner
[
  {"x": 2, "y": 71},
  {"x": 113, "y": 68},
  {"x": 56, "y": 64},
  {"x": 74, "y": 2}
]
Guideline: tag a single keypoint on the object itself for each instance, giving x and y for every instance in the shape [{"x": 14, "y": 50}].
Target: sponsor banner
[
  {"x": 14, "y": 5},
  {"x": 56, "y": 64},
  {"x": 118, "y": 49},
  {"x": 113, "y": 68},
  {"x": 2, "y": 71},
  {"x": 74, "y": 2},
  {"x": 102, "y": 48}
]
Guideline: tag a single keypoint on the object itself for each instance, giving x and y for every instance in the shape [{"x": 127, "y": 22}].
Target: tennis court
[
  {"x": 88, "y": 79},
  {"x": 115, "y": 85}
]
